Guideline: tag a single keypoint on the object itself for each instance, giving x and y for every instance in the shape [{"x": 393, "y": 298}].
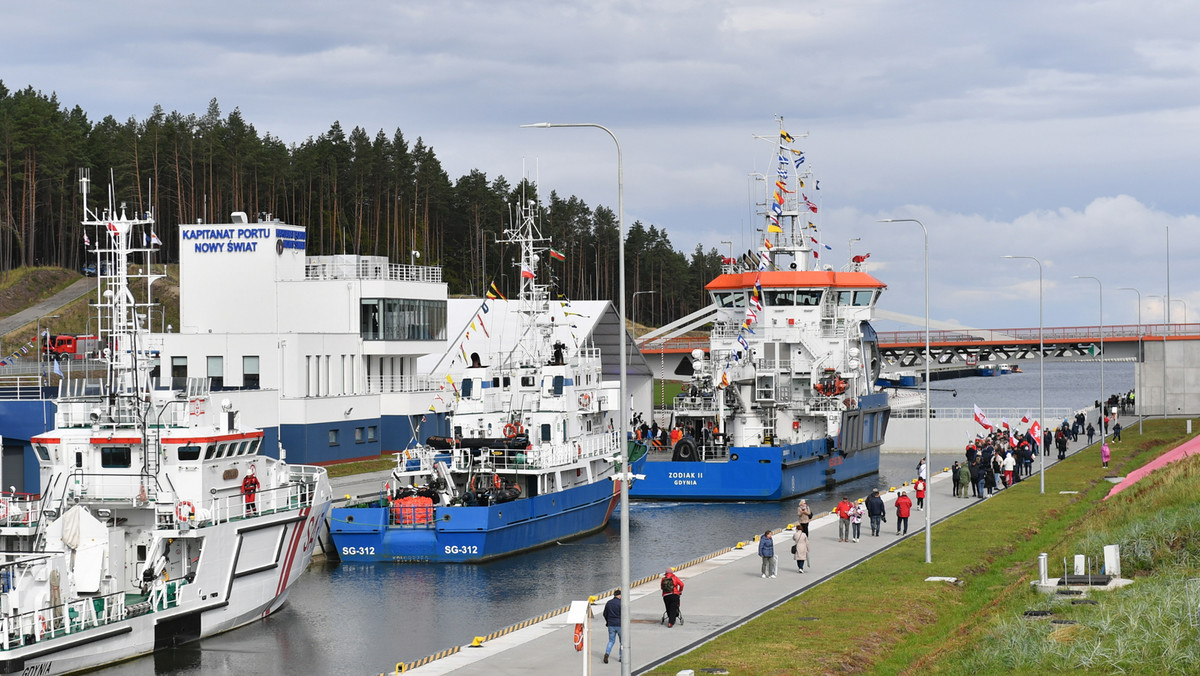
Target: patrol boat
[
  {"x": 781, "y": 398},
  {"x": 158, "y": 521},
  {"x": 535, "y": 456}
]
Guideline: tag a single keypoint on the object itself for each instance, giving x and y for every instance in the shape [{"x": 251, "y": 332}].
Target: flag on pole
[
  {"x": 145, "y": 240},
  {"x": 526, "y": 271},
  {"x": 557, "y": 255},
  {"x": 494, "y": 293},
  {"x": 784, "y": 136},
  {"x": 86, "y": 240},
  {"x": 982, "y": 419},
  {"x": 112, "y": 229},
  {"x": 1025, "y": 419},
  {"x": 774, "y": 227},
  {"x": 154, "y": 239},
  {"x": 1004, "y": 423},
  {"x": 1036, "y": 431}
]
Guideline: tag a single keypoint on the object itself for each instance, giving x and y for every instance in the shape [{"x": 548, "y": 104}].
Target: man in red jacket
[
  {"x": 672, "y": 587},
  {"x": 843, "y": 511},
  {"x": 903, "y": 508}
]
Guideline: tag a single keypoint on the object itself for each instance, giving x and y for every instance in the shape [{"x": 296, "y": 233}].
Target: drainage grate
[
  {"x": 1082, "y": 602},
  {"x": 1038, "y": 613}
]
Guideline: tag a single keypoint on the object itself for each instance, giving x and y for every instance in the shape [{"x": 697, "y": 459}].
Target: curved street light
[
  {"x": 1141, "y": 355},
  {"x": 1042, "y": 376},
  {"x": 1103, "y": 395},
  {"x": 928, "y": 493}
]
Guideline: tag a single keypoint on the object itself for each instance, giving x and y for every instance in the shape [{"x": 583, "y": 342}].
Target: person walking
[
  {"x": 1009, "y": 464},
  {"x": 612, "y": 620},
  {"x": 1091, "y": 432},
  {"x": 922, "y": 469},
  {"x": 1116, "y": 435},
  {"x": 843, "y": 512},
  {"x": 766, "y": 550},
  {"x": 1104, "y": 454},
  {"x": 954, "y": 477},
  {"x": 803, "y": 515},
  {"x": 672, "y": 589},
  {"x": 856, "y": 517},
  {"x": 903, "y": 509},
  {"x": 875, "y": 511},
  {"x": 964, "y": 479},
  {"x": 800, "y": 548},
  {"x": 919, "y": 488}
]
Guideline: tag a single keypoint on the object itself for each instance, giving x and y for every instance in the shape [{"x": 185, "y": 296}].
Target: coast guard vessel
[
  {"x": 780, "y": 399},
  {"x": 534, "y": 455},
  {"x": 157, "y": 521}
]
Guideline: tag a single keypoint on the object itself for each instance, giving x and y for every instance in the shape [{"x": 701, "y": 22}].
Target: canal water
[{"x": 364, "y": 618}]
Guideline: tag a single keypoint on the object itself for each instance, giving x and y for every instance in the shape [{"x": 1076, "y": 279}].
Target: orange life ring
[
  {"x": 179, "y": 510},
  {"x": 579, "y": 450},
  {"x": 46, "y": 624},
  {"x": 3, "y": 509},
  {"x": 578, "y": 638},
  {"x": 585, "y": 399},
  {"x": 496, "y": 480},
  {"x": 513, "y": 429}
]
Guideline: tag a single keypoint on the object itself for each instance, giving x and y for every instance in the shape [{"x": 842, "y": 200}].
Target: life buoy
[
  {"x": 585, "y": 399},
  {"x": 141, "y": 496},
  {"x": 3, "y": 509},
  {"x": 513, "y": 429},
  {"x": 578, "y": 638},
  {"x": 46, "y": 624},
  {"x": 850, "y": 403},
  {"x": 191, "y": 510},
  {"x": 496, "y": 480}
]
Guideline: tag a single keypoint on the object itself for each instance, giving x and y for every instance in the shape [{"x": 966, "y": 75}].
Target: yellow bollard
[
  {"x": 791, "y": 526},
  {"x": 592, "y": 599},
  {"x": 401, "y": 668},
  {"x": 478, "y": 642},
  {"x": 740, "y": 545},
  {"x": 892, "y": 489}
]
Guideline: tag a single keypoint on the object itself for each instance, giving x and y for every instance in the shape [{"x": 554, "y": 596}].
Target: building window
[
  {"x": 372, "y": 433},
  {"x": 178, "y": 373},
  {"x": 333, "y": 437},
  {"x": 250, "y": 372},
  {"x": 358, "y": 435},
  {"x": 216, "y": 373},
  {"x": 402, "y": 319}
]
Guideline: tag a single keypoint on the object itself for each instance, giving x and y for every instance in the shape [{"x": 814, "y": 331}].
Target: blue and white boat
[
  {"x": 781, "y": 399},
  {"x": 535, "y": 454}
]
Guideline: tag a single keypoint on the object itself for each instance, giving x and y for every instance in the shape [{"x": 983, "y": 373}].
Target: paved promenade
[{"x": 720, "y": 594}]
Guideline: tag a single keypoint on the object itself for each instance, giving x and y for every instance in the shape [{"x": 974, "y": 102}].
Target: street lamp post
[
  {"x": 1103, "y": 396},
  {"x": 1141, "y": 356},
  {"x": 1184, "y": 303},
  {"x": 623, "y": 412},
  {"x": 928, "y": 494},
  {"x": 1042, "y": 369}
]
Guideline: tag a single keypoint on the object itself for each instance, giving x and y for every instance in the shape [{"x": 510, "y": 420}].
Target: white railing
[
  {"x": 544, "y": 455},
  {"x": 421, "y": 383},
  {"x": 994, "y": 415},
  {"x": 231, "y": 504},
  {"x": 369, "y": 270}
]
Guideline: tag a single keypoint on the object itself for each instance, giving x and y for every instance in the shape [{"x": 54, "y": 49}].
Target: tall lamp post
[
  {"x": 928, "y": 505},
  {"x": 623, "y": 413},
  {"x": 1103, "y": 396},
  {"x": 1141, "y": 357},
  {"x": 1184, "y": 303},
  {"x": 1042, "y": 369}
]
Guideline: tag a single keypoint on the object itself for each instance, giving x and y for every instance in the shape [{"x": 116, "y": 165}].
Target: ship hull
[{"x": 474, "y": 534}]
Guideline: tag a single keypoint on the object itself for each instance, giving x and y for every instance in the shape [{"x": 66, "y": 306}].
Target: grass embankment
[
  {"x": 881, "y": 617},
  {"x": 381, "y": 464}
]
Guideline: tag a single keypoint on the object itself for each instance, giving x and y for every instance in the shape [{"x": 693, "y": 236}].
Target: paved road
[
  {"x": 720, "y": 594},
  {"x": 48, "y": 306}
]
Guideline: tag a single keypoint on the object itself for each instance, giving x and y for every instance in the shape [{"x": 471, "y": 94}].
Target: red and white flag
[
  {"x": 1004, "y": 423},
  {"x": 526, "y": 272},
  {"x": 982, "y": 419},
  {"x": 1036, "y": 431},
  {"x": 1012, "y": 441},
  {"x": 1025, "y": 419}
]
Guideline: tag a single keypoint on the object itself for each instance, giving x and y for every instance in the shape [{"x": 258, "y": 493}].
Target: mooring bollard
[{"x": 1043, "y": 568}]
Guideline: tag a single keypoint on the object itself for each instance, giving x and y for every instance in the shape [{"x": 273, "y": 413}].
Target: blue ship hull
[
  {"x": 773, "y": 472},
  {"x": 475, "y": 534}
]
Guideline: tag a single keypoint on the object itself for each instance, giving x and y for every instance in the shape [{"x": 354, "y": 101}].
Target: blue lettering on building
[{"x": 233, "y": 240}]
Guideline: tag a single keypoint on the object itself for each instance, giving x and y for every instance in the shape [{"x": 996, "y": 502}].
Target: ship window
[
  {"x": 178, "y": 372},
  {"x": 527, "y": 381},
  {"x": 221, "y": 448},
  {"x": 42, "y": 452},
  {"x": 372, "y": 431},
  {"x": 115, "y": 456},
  {"x": 810, "y": 297},
  {"x": 210, "y": 451},
  {"x": 189, "y": 452},
  {"x": 764, "y": 388},
  {"x": 78, "y": 459},
  {"x": 558, "y": 386},
  {"x": 546, "y": 432},
  {"x": 845, "y": 297},
  {"x": 781, "y": 297},
  {"x": 254, "y": 443},
  {"x": 242, "y": 447},
  {"x": 863, "y": 298},
  {"x": 496, "y": 381},
  {"x": 507, "y": 382},
  {"x": 458, "y": 431},
  {"x": 369, "y": 319},
  {"x": 467, "y": 388}
]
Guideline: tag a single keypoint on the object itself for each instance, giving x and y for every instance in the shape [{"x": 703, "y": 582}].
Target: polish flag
[
  {"x": 526, "y": 272},
  {"x": 1036, "y": 430},
  {"x": 1012, "y": 441},
  {"x": 1004, "y": 423},
  {"x": 982, "y": 419},
  {"x": 1025, "y": 419}
]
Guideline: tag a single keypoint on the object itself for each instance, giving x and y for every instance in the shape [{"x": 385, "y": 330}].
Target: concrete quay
[{"x": 722, "y": 592}]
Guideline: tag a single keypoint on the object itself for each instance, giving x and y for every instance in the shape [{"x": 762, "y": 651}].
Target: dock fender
[{"x": 685, "y": 451}]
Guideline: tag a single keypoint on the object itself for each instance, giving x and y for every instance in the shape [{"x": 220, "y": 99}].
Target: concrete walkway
[
  {"x": 721, "y": 593},
  {"x": 30, "y": 314}
]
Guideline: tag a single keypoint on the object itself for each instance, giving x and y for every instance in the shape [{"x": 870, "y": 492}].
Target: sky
[{"x": 1067, "y": 131}]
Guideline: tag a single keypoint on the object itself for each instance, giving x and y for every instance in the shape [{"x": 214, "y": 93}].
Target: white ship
[{"x": 157, "y": 521}]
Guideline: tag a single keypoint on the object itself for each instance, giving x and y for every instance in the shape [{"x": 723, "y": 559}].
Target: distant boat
[
  {"x": 534, "y": 457},
  {"x": 783, "y": 400}
]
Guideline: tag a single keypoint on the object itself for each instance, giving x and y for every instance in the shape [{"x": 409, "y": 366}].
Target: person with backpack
[
  {"x": 672, "y": 589},
  {"x": 919, "y": 487},
  {"x": 766, "y": 550}
]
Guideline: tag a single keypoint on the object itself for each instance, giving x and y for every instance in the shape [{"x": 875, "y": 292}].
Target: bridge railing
[{"x": 1049, "y": 333}]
